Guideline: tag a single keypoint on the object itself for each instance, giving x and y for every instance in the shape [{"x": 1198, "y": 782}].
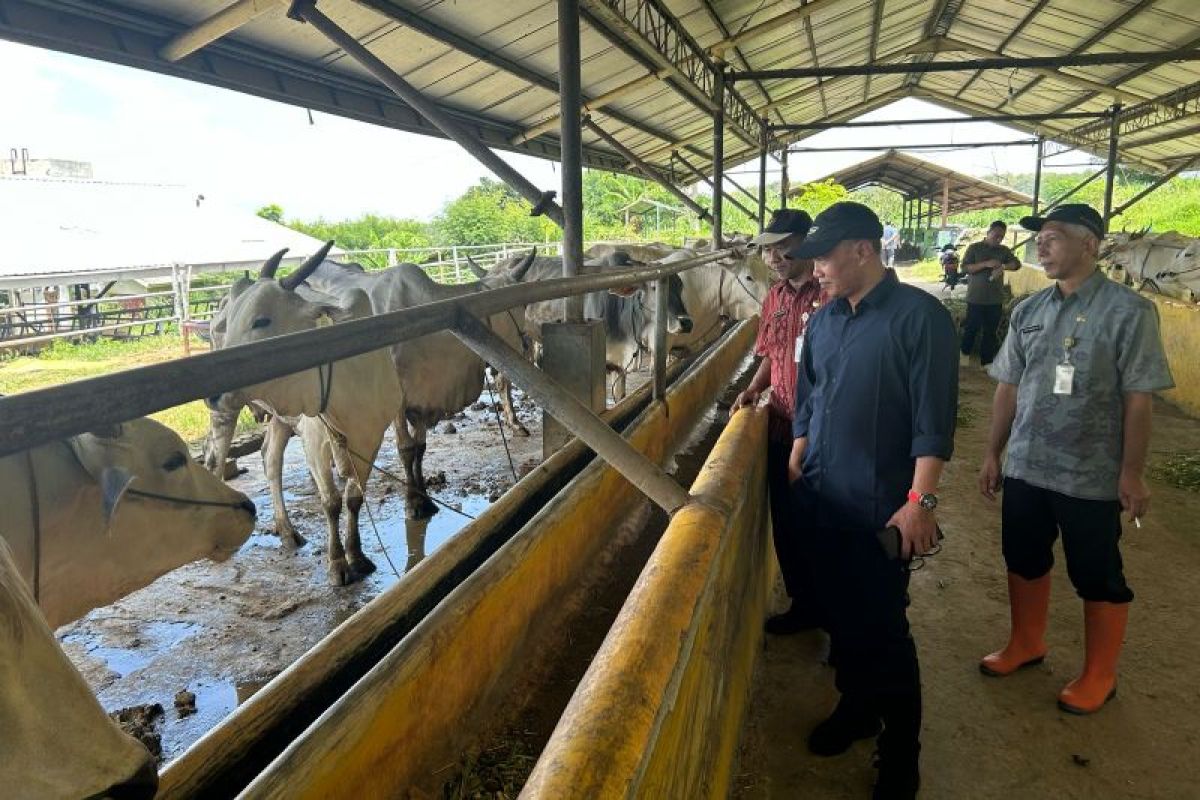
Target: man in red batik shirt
[{"x": 785, "y": 313}]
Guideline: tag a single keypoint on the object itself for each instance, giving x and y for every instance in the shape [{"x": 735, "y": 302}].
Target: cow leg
[
  {"x": 504, "y": 387},
  {"x": 319, "y": 456},
  {"x": 357, "y": 472},
  {"x": 221, "y": 426},
  {"x": 359, "y": 563},
  {"x": 275, "y": 440},
  {"x": 406, "y": 445},
  {"x": 618, "y": 390},
  {"x": 418, "y": 497}
]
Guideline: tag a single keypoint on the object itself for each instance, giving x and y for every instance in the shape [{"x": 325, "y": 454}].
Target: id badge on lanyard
[
  {"x": 1064, "y": 371},
  {"x": 800, "y": 337}
]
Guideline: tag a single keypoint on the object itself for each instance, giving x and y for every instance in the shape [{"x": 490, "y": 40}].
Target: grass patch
[
  {"x": 967, "y": 415},
  {"x": 1180, "y": 469},
  {"x": 66, "y": 362},
  {"x": 927, "y": 271}
]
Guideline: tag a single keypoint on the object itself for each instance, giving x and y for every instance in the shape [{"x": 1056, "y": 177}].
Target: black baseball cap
[
  {"x": 838, "y": 223},
  {"x": 784, "y": 222},
  {"x": 1074, "y": 213}
]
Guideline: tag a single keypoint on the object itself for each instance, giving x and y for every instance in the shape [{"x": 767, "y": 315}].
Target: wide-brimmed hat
[
  {"x": 1072, "y": 213},
  {"x": 838, "y": 223},
  {"x": 784, "y": 222}
]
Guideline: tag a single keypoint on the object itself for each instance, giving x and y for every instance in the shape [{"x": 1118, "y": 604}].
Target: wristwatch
[{"x": 926, "y": 501}]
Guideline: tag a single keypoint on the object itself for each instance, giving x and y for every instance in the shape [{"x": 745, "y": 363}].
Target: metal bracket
[{"x": 296, "y": 9}]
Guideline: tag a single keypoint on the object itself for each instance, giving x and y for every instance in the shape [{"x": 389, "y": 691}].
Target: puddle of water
[
  {"x": 153, "y": 638},
  {"x": 421, "y": 537}
]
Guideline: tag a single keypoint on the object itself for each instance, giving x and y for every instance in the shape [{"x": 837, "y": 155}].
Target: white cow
[
  {"x": 116, "y": 509},
  {"x": 55, "y": 739},
  {"x": 356, "y": 398},
  {"x": 628, "y": 313},
  {"x": 1161, "y": 261},
  {"x": 438, "y": 375},
  {"x": 733, "y": 288}
]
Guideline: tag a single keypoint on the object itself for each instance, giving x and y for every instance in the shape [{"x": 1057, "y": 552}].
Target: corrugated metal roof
[
  {"x": 494, "y": 64},
  {"x": 111, "y": 231},
  {"x": 915, "y": 177}
]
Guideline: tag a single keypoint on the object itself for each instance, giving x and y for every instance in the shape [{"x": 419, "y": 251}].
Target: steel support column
[
  {"x": 571, "y": 138},
  {"x": 591, "y": 430},
  {"x": 1110, "y": 176},
  {"x": 718, "y": 163},
  {"x": 658, "y": 347},
  {"x": 783, "y": 177},
  {"x": 945, "y": 201},
  {"x": 1037, "y": 173},
  {"x": 762, "y": 176},
  {"x": 543, "y": 202},
  {"x": 646, "y": 169}
]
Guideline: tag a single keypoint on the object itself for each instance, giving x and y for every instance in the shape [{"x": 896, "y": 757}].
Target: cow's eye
[
  {"x": 261, "y": 322},
  {"x": 174, "y": 461}
]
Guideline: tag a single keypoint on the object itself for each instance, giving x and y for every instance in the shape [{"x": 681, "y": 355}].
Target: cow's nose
[
  {"x": 685, "y": 324},
  {"x": 248, "y": 505}
]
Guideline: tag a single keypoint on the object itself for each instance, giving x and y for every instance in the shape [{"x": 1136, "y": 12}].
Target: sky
[{"x": 246, "y": 152}]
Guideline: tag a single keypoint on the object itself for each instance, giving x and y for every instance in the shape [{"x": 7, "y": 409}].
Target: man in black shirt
[
  {"x": 876, "y": 400},
  {"x": 985, "y": 263}
]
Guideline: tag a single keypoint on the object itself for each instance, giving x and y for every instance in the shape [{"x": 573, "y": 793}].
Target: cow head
[
  {"x": 55, "y": 738},
  {"x": 744, "y": 286},
  {"x": 156, "y": 509},
  {"x": 268, "y": 308}
]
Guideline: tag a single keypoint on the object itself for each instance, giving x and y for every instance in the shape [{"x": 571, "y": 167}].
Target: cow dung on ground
[{"x": 141, "y": 722}]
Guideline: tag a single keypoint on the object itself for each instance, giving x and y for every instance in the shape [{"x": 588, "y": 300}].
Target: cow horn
[
  {"x": 290, "y": 282},
  {"x": 518, "y": 272},
  {"x": 271, "y": 264},
  {"x": 479, "y": 271}
]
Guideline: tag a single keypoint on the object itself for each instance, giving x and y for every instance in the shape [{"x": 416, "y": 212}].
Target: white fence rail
[{"x": 28, "y": 328}]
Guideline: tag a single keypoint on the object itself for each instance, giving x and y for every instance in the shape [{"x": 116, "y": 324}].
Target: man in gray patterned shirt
[{"x": 1076, "y": 376}]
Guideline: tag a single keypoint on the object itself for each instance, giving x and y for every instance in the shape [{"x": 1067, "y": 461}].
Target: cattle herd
[{"x": 99, "y": 515}]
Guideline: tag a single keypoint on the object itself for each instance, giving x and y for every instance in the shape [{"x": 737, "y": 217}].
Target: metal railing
[{"x": 45, "y": 415}]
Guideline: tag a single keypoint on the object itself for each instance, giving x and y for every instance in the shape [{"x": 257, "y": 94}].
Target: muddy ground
[
  {"x": 1005, "y": 738},
  {"x": 221, "y": 631}
]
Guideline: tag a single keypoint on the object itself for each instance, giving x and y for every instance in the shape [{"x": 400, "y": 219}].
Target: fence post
[{"x": 391, "y": 257}]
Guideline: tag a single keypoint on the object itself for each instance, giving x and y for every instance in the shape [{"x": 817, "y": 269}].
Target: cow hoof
[
  {"x": 420, "y": 507},
  {"x": 340, "y": 573},
  {"x": 362, "y": 566},
  {"x": 292, "y": 540},
  {"x": 521, "y": 431}
]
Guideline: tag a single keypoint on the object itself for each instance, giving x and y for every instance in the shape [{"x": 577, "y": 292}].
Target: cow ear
[
  {"x": 240, "y": 285},
  {"x": 113, "y": 483}
]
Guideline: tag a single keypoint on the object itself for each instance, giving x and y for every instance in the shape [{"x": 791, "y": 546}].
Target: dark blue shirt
[{"x": 876, "y": 389}]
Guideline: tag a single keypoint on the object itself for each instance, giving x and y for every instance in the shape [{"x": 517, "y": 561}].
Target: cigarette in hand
[{"x": 1138, "y": 521}]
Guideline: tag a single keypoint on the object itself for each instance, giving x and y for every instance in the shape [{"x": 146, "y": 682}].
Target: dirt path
[
  {"x": 222, "y": 630},
  {"x": 986, "y": 738}
]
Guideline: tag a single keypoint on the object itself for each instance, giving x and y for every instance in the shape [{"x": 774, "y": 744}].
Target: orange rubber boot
[
  {"x": 1104, "y": 629},
  {"x": 1029, "y": 604}
]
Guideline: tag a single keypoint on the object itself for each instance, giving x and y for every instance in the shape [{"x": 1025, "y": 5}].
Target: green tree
[
  {"x": 272, "y": 212},
  {"x": 488, "y": 213}
]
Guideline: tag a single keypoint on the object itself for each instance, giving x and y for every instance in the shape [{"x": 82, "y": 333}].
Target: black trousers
[
  {"x": 787, "y": 530},
  {"x": 864, "y": 597},
  {"x": 982, "y": 321},
  {"x": 1031, "y": 518}
]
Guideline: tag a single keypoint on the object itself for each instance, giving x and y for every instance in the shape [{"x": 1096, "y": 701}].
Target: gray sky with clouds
[{"x": 246, "y": 152}]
